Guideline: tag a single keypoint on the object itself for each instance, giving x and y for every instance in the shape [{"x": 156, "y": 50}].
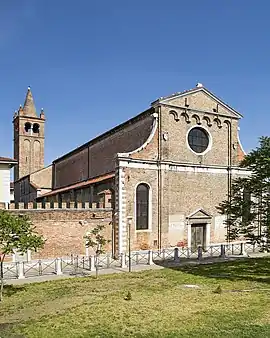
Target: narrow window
[
  {"x": 36, "y": 128},
  {"x": 27, "y": 127},
  {"x": 142, "y": 207}
]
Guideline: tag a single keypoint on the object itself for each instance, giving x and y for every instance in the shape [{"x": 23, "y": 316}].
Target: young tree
[
  {"x": 16, "y": 233},
  {"x": 96, "y": 240},
  {"x": 248, "y": 206}
]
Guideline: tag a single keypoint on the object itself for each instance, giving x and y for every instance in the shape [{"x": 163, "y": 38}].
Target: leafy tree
[
  {"x": 248, "y": 205},
  {"x": 16, "y": 233},
  {"x": 96, "y": 240}
]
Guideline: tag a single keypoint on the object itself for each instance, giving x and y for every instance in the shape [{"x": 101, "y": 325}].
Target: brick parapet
[{"x": 56, "y": 206}]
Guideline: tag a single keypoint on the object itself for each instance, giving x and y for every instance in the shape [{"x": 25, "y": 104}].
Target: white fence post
[
  {"x": 93, "y": 263},
  {"x": 123, "y": 260},
  {"x": 188, "y": 252},
  {"x": 150, "y": 257},
  {"x": 87, "y": 251},
  {"x": 28, "y": 255},
  {"x": 20, "y": 271},
  {"x": 58, "y": 266}
]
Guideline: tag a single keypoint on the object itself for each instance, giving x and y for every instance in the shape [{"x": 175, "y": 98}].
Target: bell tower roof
[{"x": 29, "y": 108}]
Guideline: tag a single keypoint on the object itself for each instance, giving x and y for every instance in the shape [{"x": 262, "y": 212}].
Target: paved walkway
[{"x": 134, "y": 268}]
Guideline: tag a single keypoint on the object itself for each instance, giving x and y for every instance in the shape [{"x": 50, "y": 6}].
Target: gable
[
  {"x": 199, "y": 214},
  {"x": 201, "y": 99}
]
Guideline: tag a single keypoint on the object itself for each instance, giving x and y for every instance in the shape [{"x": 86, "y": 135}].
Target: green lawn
[{"x": 160, "y": 306}]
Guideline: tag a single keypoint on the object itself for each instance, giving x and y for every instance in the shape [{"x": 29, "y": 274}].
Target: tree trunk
[
  {"x": 97, "y": 261},
  {"x": 2, "y": 257}
]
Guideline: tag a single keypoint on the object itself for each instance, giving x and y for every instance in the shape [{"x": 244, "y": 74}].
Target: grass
[{"x": 158, "y": 305}]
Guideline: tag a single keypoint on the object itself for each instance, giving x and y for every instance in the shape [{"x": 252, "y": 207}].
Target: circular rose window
[{"x": 198, "y": 140}]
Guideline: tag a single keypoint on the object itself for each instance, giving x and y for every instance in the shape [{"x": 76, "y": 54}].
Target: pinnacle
[{"x": 29, "y": 108}]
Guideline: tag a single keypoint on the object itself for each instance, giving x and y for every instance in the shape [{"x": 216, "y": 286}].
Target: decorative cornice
[
  {"x": 180, "y": 167},
  {"x": 192, "y": 110}
]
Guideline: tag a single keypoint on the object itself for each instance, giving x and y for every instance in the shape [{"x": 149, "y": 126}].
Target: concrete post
[
  {"x": 222, "y": 251},
  {"x": 123, "y": 260},
  {"x": 58, "y": 267},
  {"x": 20, "y": 271},
  {"x": 28, "y": 255},
  {"x": 200, "y": 252},
  {"x": 242, "y": 249},
  {"x": 176, "y": 255},
  {"x": 150, "y": 257}
]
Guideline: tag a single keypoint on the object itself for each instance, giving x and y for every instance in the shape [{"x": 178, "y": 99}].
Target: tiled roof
[
  {"x": 7, "y": 160},
  {"x": 79, "y": 185}
]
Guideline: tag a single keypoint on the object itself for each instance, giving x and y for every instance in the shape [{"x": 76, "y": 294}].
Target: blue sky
[{"x": 94, "y": 64}]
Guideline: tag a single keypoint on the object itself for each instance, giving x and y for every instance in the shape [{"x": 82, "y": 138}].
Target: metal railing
[{"x": 75, "y": 265}]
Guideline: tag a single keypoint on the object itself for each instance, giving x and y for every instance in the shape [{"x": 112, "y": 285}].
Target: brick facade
[{"x": 98, "y": 156}]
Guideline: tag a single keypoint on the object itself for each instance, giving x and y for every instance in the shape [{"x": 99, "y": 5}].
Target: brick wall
[
  {"x": 64, "y": 229},
  {"x": 26, "y": 189},
  {"x": 43, "y": 178},
  {"x": 98, "y": 158}
]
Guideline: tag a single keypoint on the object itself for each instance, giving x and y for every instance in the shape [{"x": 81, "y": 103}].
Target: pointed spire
[
  {"x": 20, "y": 111},
  {"x": 42, "y": 114},
  {"x": 29, "y": 108}
]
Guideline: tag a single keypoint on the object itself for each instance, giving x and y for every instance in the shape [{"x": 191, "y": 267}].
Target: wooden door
[{"x": 197, "y": 235}]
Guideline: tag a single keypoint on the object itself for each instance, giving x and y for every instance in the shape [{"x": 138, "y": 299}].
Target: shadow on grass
[
  {"x": 246, "y": 269},
  {"x": 10, "y": 290},
  {"x": 6, "y": 331}
]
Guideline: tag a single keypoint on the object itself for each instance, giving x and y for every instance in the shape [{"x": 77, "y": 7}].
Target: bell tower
[{"x": 28, "y": 138}]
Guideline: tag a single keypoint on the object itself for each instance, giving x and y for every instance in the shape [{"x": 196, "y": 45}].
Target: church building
[{"x": 163, "y": 171}]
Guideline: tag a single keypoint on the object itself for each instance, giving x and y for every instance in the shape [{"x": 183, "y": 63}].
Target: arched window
[
  {"x": 27, "y": 127},
  {"x": 36, "y": 128},
  {"x": 142, "y": 207}
]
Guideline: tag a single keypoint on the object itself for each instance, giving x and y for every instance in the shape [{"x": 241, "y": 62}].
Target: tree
[
  {"x": 16, "y": 233},
  {"x": 96, "y": 240},
  {"x": 248, "y": 205}
]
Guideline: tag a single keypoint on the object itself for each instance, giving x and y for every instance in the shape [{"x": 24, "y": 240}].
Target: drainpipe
[
  {"x": 229, "y": 188},
  {"x": 159, "y": 188}
]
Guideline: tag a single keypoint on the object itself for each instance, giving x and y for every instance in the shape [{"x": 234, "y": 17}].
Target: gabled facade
[{"x": 187, "y": 164}]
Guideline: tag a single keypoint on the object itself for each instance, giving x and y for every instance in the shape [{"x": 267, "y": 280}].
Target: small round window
[{"x": 198, "y": 140}]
